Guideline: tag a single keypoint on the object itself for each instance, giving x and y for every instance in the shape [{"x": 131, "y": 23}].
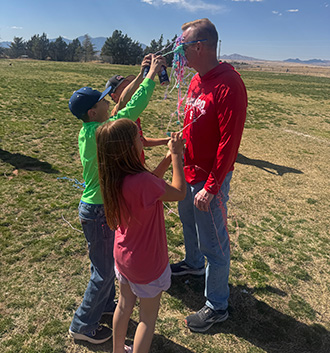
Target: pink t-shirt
[{"x": 140, "y": 249}]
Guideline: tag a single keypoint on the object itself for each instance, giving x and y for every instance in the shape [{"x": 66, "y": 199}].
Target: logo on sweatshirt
[{"x": 195, "y": 107}]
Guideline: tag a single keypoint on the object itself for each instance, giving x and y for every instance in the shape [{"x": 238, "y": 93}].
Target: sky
[{"x": 263, "y": 29}]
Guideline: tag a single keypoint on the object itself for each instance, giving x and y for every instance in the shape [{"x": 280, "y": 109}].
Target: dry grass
[
  {"x": 283, "y": 67},
  {"x": 278, "y": 217}
]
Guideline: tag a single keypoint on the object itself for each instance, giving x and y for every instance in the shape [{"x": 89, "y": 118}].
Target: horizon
[
  {"x": 266, "y": 29},
  {"x": 247, "y": 58}
]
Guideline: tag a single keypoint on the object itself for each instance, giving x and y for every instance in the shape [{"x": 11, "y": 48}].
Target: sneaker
[
  {"x": 205, "y": 318},
  {"x": 181, "y": 268},
  {"x": 97, "y": 336},
  {"x": 128, "y": 349}
]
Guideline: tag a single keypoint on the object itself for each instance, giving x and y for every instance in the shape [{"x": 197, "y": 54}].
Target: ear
[
  {"x": 199, "y": 47},
  {"x": 114, "y": 97},
  {"x": 91, "y": 114}
]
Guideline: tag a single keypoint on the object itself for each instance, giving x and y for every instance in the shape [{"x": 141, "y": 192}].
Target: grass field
[{"x": 278, "y": 216}]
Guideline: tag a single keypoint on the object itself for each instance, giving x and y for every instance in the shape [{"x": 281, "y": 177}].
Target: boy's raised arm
[
  {"x": 132, "y": 87},
  {"x": 141, "y": 97}
]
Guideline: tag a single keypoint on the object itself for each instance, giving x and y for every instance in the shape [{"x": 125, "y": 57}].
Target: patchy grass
[{"x": 278, "y": 216}]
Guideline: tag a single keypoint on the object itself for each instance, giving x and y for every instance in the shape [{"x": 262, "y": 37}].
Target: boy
[{"x": 92, "y": 108}]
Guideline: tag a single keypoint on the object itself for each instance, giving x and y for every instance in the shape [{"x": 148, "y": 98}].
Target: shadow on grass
[
  {"x": 160, "y": 344},
  {"x": 20, "y": 161},
  {"x": 267, "y": 166},
  {"x": 254, "y": 320}
]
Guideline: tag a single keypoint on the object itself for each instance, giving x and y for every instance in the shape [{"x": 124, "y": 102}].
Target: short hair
[
  {"x": 85, "y": 116},
  {"x": 203, "y": 29}
]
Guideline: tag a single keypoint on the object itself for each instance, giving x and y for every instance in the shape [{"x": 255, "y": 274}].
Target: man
[
  {"x": 121, "y": 90},
  {"x": 215, "y": 113}
]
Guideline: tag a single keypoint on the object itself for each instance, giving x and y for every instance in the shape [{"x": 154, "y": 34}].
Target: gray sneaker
[
  {"x": 205, "y": 318},
  {"x": 181, "y": 268},
  {"x": 97, "y": 336}
]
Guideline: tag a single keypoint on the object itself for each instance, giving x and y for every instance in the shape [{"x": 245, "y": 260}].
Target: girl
[{"x": 133, "y": 207}]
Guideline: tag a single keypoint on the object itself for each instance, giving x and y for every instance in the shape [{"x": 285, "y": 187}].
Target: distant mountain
[
  {"x": 309, "y": 62},
  {"x": 98, "y": 42},
  {"x": 238, "y": 57},
  {"x": 5, "y": 44}
]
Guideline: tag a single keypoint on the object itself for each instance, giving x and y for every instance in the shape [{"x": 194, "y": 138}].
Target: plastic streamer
[
  {"x": 76, "y": 183},
  {"x": 181, "y": 76}
]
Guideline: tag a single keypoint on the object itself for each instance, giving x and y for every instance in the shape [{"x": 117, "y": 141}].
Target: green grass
[{"x": 277, "y": 216}]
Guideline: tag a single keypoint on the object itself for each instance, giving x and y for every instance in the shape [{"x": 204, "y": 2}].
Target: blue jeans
[
  {"x": 206, "y": 236},
  {"x": 100, "y": 293}
]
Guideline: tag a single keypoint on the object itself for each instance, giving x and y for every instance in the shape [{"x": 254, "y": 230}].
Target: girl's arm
[
  {"x": 177, "y": 190},
  {"x": 151, "y": 142},
  {"x": 163, "y": 166}
]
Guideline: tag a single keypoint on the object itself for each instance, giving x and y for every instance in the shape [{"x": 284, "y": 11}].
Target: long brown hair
[{"x": 117, "y": 157}]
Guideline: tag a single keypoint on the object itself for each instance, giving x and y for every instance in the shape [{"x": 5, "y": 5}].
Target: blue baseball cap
[{"x": 84, "y": 99}]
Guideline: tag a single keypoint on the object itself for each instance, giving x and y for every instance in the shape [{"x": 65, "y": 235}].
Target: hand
[
  {"x": 157, "y": 61},
  {"x": 145, "y": 62},
  {"x": 168, "y": 154},
  {"x": 176, "y": 143},
  {"x": 203, "y": 199}
]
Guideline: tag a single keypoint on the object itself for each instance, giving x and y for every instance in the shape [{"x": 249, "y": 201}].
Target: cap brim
[{"x": 105, "y": 92}]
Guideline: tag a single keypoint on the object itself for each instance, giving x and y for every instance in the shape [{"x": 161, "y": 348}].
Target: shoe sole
[
  {"x": 128, "y": 349},
  {"x": 189, "y": 272},
  {"x": 205, "y": 328},
  {"x": 81, "y": 337}
]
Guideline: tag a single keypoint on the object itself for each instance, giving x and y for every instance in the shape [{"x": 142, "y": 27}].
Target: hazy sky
[{"x": 265, "y": 29}]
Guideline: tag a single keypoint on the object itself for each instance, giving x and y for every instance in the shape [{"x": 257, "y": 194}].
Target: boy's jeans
[
  {"x": 100, "y": 292},
  {"x": 206, "y": 236}
]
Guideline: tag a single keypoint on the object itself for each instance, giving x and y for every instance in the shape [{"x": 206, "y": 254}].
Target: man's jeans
[
  {"x": 206, "y": 236},
  {"x": 100, "y": 292}
]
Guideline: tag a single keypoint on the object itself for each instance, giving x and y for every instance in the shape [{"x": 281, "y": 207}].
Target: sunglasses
[{"x": 187, "y": 44}]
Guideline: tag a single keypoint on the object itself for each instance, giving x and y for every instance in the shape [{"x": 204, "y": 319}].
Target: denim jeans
[
  {"x": 100, "y": 292},
  {"x": 206, "y": 237}
]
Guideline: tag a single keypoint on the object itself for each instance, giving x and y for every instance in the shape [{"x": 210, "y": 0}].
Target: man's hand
[{"x": 203, "y": 199}]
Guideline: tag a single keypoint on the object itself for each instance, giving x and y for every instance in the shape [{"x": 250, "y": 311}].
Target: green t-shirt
[{"x": 87, "y": 140}]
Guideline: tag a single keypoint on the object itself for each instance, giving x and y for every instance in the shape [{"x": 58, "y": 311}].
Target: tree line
[{"x": 117, "y": 49}]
